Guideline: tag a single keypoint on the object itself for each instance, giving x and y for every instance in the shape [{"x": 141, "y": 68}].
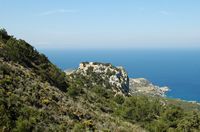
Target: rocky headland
[
  {"x": 105, "y": 75},
  {"x": 142, "y": 85},
  {"x": 35, "y": 96},
  {"x": 118, "y": 79}
]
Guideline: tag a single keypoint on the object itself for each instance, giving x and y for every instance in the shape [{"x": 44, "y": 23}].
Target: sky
[{"x": 103, "y": 24}]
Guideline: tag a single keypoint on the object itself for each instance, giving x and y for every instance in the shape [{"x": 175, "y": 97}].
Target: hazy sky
[{"x": 103, "y": 23}]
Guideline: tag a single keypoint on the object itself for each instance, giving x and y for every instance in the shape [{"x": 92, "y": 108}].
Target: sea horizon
[{"x": 179, "y": 69}]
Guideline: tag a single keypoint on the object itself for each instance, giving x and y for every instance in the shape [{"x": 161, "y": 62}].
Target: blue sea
[{"x": 177, "y": 69}]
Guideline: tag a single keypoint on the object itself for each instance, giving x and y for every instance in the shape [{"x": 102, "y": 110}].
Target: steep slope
[
  {"x": 32, "y": 98},
  {"x": 36, "y": 96},
  {"x": 116, "y": 78},
  {"x": 144, "y": 104},
  {"x": 105, "y": 75},
  {"x": 19, "y": 51},
  {"x": 29, "y": 104}
]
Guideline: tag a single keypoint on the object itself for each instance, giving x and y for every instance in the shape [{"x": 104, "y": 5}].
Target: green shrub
[
  {"x": 141, "y": 108},
  {"x": 23, "y": 125},
  {"x": 119, "y": 99},
  {"x": 78, "y": 127},
  {"x": 7, "y": 80},
  {"x": 74, "y": 91},
  {"x": 191, "y": 122},
  {"x": 23, "y": 53},
  {"x": 157, "y": 126},
  {"x": 102, "y": 92}
]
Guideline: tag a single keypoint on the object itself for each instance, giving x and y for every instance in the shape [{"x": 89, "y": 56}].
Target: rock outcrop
[
  {"x": 106, "y": 75},
  {"x": 35, "y": 95},
  {"x": 109, "y": 76},
  {"x": 143, "y": 86}
]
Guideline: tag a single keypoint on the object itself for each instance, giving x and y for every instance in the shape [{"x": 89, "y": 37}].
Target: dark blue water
[{"x": 177, "y": 69}]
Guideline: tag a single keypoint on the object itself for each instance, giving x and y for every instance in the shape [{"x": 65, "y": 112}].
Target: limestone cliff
[
  {"x": 106, "y": 75},
  {"x": 109, "y": 76}
]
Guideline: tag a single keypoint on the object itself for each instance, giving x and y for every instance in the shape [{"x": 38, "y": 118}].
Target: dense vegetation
[
  {"x": 36, "y": 96},
  {"x": 21, "y": 52},
  {"x": 152, "y": 113}
]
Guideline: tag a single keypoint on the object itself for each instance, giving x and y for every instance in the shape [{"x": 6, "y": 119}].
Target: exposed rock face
[
  {"x": 109, "y": 76},
  {"x": 69, "y": 71},
  {"x": 106, "y": 75},
  {"x": 143, "y": 86}
]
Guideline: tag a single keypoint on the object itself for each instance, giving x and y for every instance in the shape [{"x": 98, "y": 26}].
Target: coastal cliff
[
  {"x": 107, "y": 75},
  {"x": 35, "y": 96}
]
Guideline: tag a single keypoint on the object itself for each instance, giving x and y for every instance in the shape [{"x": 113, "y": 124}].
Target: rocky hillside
[
  {"x": 36, "y": 96},
  {"x": 143, "y": 86},
  {"x": 109, "y": 76},
  {"x": 105, "y": 75}
]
